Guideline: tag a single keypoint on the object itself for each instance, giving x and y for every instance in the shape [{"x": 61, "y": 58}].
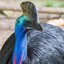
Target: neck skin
[{"x": 20, "y": 50}]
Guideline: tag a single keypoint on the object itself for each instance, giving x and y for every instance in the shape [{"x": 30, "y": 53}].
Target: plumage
[
  {"x": 45, "y": 47},
  {"x": 7, "y": 50}
]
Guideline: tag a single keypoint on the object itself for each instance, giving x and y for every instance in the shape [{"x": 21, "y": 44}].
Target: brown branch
[
  {"x": 10, "y": 7},
  {"x": 51, "y": 10},
  {"x": 40, "y": 10}
]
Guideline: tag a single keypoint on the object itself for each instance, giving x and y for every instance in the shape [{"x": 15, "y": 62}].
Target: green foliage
[
  {"x": 49, "y": 4},
  {"x": 62, "y": 5}
]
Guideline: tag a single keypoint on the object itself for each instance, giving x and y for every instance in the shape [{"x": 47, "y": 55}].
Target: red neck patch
[{"x": 20, "y": 62}]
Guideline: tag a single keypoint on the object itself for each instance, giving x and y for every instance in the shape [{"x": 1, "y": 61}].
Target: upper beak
[
  {"x": 34, "y": 26},
  {"x": 38, "y": 27}
]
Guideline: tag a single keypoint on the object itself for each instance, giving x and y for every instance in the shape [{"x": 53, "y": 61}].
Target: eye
[
  {"x": 18, "y": 22},
  {"x": 25, "y": 21}
]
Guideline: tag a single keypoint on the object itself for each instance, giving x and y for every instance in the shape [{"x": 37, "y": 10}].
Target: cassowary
[{"x": 30, "y": 44}]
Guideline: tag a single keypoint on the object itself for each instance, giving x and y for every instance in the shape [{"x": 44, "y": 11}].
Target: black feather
[
  {"x": 7, "y": 50},
  {"x": 43, "y": 47}
]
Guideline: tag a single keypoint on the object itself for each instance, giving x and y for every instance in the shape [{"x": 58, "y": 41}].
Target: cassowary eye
[
  {"x": 25, "y": 21},
  {"x": 18, "y": 22}
]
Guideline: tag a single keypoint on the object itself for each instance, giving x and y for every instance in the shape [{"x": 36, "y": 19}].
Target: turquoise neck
[{"x": 20, "y": 50}]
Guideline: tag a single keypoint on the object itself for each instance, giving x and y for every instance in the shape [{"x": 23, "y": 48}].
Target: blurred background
[{"x": 49, "y": 11}]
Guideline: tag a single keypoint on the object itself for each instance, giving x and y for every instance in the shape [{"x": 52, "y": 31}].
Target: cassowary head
[
  {"x": 27, "y": 23},
  {"x": 29, "y": 17}
]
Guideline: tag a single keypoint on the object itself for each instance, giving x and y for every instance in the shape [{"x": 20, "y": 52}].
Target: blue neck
[{"x": 20, "y": 50}]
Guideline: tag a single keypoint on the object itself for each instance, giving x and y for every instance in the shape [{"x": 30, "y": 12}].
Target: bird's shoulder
[
  {"x": 47, "y": 44},
  {"x": 51, "y": 36},
  {"x": 50, "y": 31}
]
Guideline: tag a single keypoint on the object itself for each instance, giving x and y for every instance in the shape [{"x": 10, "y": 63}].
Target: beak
[{"x": 38, "y": 27}]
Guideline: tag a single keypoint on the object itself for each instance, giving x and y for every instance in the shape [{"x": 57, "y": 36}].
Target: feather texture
[
  {"x": 7, "y": 50},
  {"x": 43, "y": 48}
]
